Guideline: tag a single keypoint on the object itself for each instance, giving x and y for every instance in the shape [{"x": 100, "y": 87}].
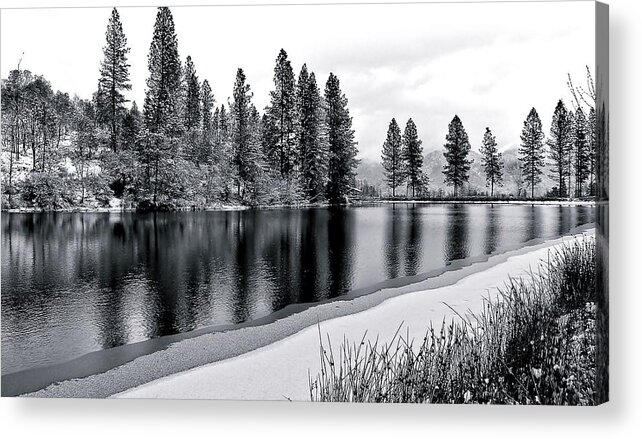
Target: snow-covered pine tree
[
  {"x": 207, "y": 129},
  {"x": 592, "y": 129},
  {"x": 282, "y": 112},
  {"x": 132, "y": 125},
  {"x": 341, "y": 144},
  {"x": 268, "y": 136},
  {"x": 224, "y": 124},
  {"x": 532, "y": 150},
  {"x": 392, "y": 158},
  {"x": 313, "y": 141},
  {"x": 457, "y": 148},
  {"x": 581, "y": 151},
  {"x": 413, "y": 158},
  {"x": 162, "y": 97},
  {"x": 570, "y": 152},
  {"x": 114, "y": 79},
  {"x": 207, "y": 103},
  {"x": 301, "y": 96},
  {"x": 242, "y": 133},
  {"x": 491, "y": 161},
  {"x": 301, "y": 90},
  {"x": 158, "y": 143},
  {"x": 192, "y": 107},
  {"x": 558, "y": 142}
]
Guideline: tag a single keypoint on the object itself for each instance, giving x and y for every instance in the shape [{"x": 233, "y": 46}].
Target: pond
[{"x": 74, "y": 283}]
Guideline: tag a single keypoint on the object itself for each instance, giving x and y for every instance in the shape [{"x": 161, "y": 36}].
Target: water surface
[{"x": 74, "y": 283}]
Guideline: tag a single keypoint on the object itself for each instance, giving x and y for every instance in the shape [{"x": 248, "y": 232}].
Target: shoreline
[
  {"x": 240, "y": 207},
  {"x": 157, "y": 358}
]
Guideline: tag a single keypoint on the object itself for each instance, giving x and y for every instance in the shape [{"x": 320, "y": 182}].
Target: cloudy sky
[{"x": 488, "y": 62}]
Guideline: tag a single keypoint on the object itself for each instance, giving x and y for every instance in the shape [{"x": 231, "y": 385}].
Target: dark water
[{"x": 73, "y": 283}]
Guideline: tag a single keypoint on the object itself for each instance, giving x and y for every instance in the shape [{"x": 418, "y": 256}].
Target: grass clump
[{"x": 533, "y": 344}]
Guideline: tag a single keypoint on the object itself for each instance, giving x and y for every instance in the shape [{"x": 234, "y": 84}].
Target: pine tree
[
  {"x": 558, "y": 143},
  {"x": 282, "y": 114},
  {"x": 162, "y": 98},
  {"x": 592, "y": 129},
  {"x": 114, "y": 79},
  {"x": 243, "y": 126},
  {"x": 207, "y": 103},
  {"x": 158, "y": 143},
  {"x": 224, "y": 124},
  {"x": 570, "y": 153},
  {"x": 303, "y": 114},
  {"x": 392, "y": 157},
  {"x": 302, "y": 89},
  {"x": 413, "y": 158},
  {"x": 491, "y": 161},
  {"x": 457, "y": 148},
  {"x": 581, "y": 151},
  {"x": 532, "y": 150},
  {"x": 192, "y": 97},
  {"x": 342, "y": 147},
  {"x": 313, "y": 142},
  {"x": 132, "y": 125},
  {"x": 207, "y": 128}
]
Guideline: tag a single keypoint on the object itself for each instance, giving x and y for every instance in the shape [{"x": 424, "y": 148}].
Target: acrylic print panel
[{"x": 367, "y": 203}]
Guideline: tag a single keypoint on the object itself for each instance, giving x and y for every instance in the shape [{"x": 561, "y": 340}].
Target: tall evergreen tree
[
  {"x": 491, "y": 161},
  {"x": 224, "y": 124},
  {"x": 581, "y": 151},
  {"x": 158, "y": 144},
  {"x": 341, "y": 145},
  {"x": 207, "y": 103},
  {"x": 392, "y": 158},
  {"x": 302, "y": 89},
  {"x": 114, "y": 78},
  {"x": 568, "y": 172},
  {"x": 162, "y": 98},
  {"x": 558, "y": 143},
  {"x": 282, "y": 113},
  {"x": 207, "y": 128},
  {"x": 592, "y": 129},
  {"x": 532, "y": 150},
  {"x": 243, "y": 115},
  {"x": 192, "y": 96},
  {"x": 313, "y": 142},
  {"x": 132, "y": 125},
  {"x": 457, "y": 148},
  {"x": 413, "y": 158}
]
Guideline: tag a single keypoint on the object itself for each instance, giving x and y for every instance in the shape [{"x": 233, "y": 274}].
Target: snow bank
[{"x": 279, "y": 371}]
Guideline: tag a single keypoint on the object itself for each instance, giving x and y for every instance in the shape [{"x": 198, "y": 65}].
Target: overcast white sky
[{"x": 487, "y": 62}]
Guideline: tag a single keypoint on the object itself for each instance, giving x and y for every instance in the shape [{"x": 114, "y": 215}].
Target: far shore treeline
[
  {"x": 183, "y": 149},
  {"x": 571, "y": 151}
]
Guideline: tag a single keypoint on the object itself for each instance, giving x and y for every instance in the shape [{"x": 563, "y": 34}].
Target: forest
[{"x": 183, "y": 150}]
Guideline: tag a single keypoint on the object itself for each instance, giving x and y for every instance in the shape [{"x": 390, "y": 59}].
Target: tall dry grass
[{"x": 534, "y": 343}]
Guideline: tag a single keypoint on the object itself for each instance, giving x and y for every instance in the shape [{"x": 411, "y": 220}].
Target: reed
[{"x": 533, "y": 343}]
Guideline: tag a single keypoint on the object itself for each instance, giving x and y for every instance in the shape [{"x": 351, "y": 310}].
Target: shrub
[{"x": 47, "y": 191}]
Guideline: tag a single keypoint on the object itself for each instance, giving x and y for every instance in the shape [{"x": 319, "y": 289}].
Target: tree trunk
[
  {"x": 33, "y": 147},
  {"x": 11, "y": 168}
]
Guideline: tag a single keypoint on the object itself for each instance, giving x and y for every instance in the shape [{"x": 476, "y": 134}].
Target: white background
[{"x": 622, "y": 417}]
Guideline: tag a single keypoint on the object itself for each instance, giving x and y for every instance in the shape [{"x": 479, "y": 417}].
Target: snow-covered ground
[{"x": 280, "y": 370}]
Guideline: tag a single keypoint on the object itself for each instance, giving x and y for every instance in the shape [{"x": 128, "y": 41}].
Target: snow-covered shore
[
  {"x": 117, "y": 207},
  {"x": 279, "y": 371}
]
